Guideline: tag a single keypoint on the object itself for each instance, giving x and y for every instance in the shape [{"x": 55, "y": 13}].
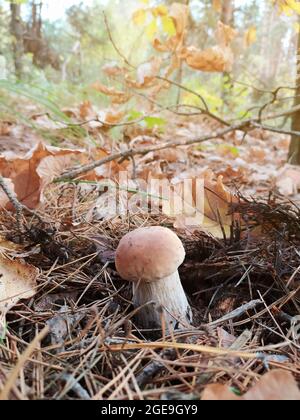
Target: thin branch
[
  {"x": 73, "y": 173},
  {"x": 19, "y": 207}
]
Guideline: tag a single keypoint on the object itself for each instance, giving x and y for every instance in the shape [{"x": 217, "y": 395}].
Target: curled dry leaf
[
  {"x": 147, "y": 71},
  {"x": 216, "y": 59},
  {"x": 212, "y": 206},
  {"x": 112, "y": 69},
  {"x": 26, "y": 175},
  {"x": 180, "y": 15},
  {"x": 29, "y": 175},
  {"x": 117, "y": 96},
  {"x": 225, "y": 34},
  {"x": 277, "y": 385},
  {"x": 17, "y": 281}
]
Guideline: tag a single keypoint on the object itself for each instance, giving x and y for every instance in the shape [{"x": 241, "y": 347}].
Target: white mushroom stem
[{"x": 169, "y": 302}]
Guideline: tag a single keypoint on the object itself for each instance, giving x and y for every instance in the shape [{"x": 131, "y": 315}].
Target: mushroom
[{"x": 149, "y": 258}]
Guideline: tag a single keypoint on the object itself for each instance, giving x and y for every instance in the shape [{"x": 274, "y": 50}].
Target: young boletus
[{"x": 149, "y": 258}]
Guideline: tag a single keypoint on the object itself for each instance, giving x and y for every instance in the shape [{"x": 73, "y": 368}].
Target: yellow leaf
[
  {"x": 250, "y": 36},
  {"x": 139, "y": 17},
  {"x": 146, "y": 2},
  {"x": 287, "y": 7},
  {"x": 160, "y": 10},
  {"x": 168, "y": 25},
  {"x": 151, "y": 30}
]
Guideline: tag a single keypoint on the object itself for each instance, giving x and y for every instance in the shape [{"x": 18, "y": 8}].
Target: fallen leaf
[
  {"x": 17, "y": 281},
  {"x": 210, "y": 207},
  {"x": 24, "y": 171},
  {"x": 277, "y": 385}
]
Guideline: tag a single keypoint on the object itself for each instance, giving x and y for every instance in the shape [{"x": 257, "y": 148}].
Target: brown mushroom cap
[{"x": 149, "y": 254}]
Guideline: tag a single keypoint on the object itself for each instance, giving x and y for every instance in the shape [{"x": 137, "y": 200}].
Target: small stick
[
  {"x": 72, "y": 384},
  {"x": 19, "y": 207},
  {"x": 236, "y": 313},
  {"x": 155, "y": 367}
]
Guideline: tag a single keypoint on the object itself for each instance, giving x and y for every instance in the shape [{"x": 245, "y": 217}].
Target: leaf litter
[{"x": 246, "y": 252}]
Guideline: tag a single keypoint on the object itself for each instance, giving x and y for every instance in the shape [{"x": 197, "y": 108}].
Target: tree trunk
[
  {"x": 294, "y": 153},
  {"x": 227, "y": 17},
  {"x": 227, "y": 12},
  {"x": 17, "y": 32}
]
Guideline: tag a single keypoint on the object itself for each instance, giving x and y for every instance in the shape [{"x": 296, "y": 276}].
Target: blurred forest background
[{"x": 66, "y": 52}]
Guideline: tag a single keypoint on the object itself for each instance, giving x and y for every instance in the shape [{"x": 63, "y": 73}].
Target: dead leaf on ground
[
  {"x": 23, "y": 172},
  {"x": 29, "y": 175},
  {"x": 288, "y": 180},
  {"x": 211, "y": 206},
  {"x": 17, "y": 281},
  {"x": 277, "y": 385}
]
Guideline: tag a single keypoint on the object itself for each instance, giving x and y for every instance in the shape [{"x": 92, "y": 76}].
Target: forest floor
[{"x": 243, "y": 285}]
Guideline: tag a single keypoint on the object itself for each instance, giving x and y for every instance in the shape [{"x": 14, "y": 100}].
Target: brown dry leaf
[
  {"x": 159, "y": 46},
  {"x": 216, "y": 203},
  {"x": 217, "y": 5},
  {"x": 4, "y": 200},
  {"x": 112, "y": 70},
  {"x": 180, "y": 15},
  {"x": 216, "y": 59},
  {"x": 17, "y": 281},
  {"x": 110, "y": 117},
  {"x": 117, "y": 96},
  {"x": 277, "y": 385},
  {"x": 147, "y": 72},
  {"x": 218, "y": 200},
  {"x": 225, "y": 34},
  {"x": 85, "y": 110},
  {"x": 4, "y": 129},
  {"x": 24, "y": 171}
]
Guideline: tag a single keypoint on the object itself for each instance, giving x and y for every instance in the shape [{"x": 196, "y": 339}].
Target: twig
[
  {"x": 150, "y": 371},
  {"x": 236, "y": 313},
  {"x": 19, "y": 207},
  {"x": 15, "y": 202},
  {"x": 73, "y": 173},
  {"x": 73, "y": 385}
]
